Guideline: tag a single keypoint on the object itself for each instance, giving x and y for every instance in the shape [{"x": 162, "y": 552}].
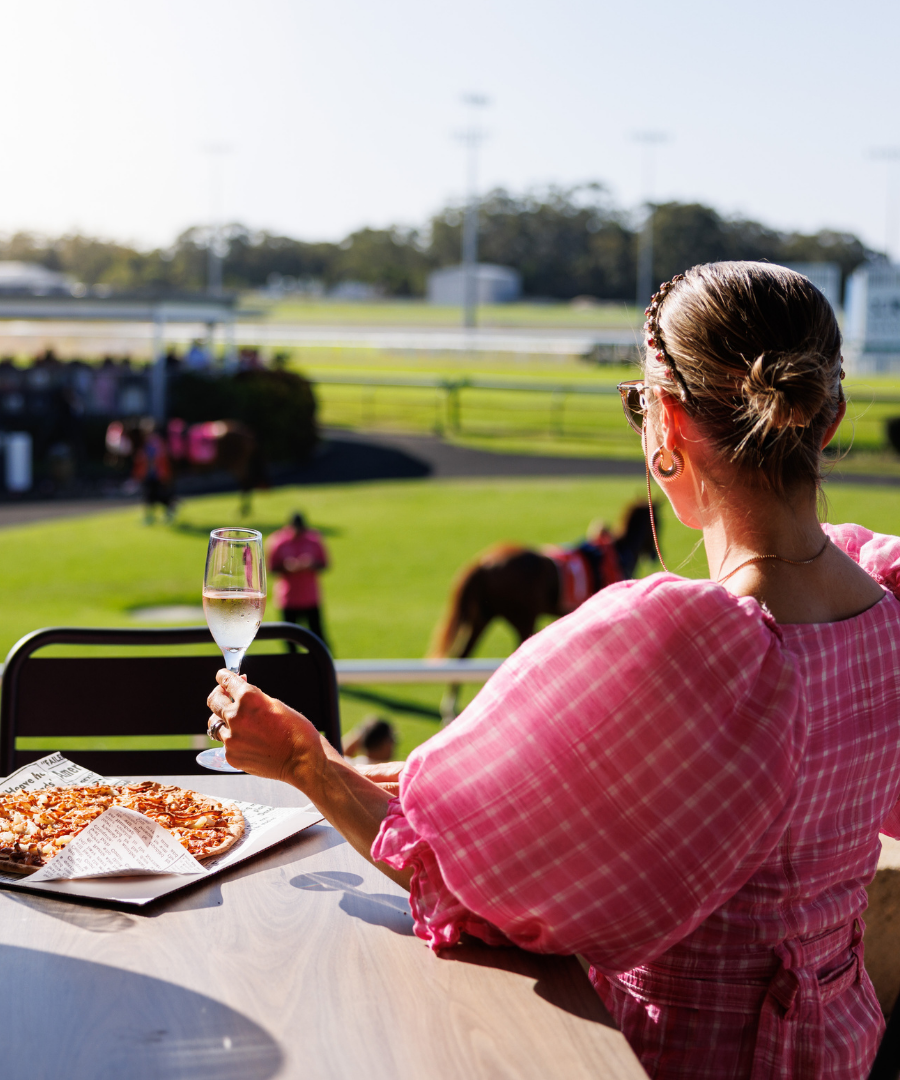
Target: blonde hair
[{"x": 754, "y": 352}]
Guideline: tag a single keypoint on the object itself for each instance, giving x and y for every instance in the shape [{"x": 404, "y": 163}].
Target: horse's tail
[
  {"x": 459, "y": 614},
  {"x": 467, "y": 599}
]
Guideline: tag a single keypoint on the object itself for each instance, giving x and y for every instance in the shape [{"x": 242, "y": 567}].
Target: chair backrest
[
  {"x": 886, "y": 1065},
  {"x": 103, "y": 697}
]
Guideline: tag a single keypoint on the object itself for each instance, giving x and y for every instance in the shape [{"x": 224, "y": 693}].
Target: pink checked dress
[{"x": 688, "y": 794}]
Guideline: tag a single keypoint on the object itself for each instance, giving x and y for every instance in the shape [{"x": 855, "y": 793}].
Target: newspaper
[
  {"x": 51, "y": 771},
  {"x": 121, "y": 842}
]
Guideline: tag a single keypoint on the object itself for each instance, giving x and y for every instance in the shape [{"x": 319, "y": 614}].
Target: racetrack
[{"x": 355, "y": 456}]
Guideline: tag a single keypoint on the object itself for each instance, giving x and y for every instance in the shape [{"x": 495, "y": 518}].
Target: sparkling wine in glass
[{"x": 234, "y": 601}]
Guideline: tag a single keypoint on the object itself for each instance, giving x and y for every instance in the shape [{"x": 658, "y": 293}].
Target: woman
[{"x": 683, "y": 780}]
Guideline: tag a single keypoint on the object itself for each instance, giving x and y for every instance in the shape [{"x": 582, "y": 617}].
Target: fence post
[
  {"x": 557, "y": 405},
  {"x": 438, "y": 412},
  {"x": 453, "y": 410}
]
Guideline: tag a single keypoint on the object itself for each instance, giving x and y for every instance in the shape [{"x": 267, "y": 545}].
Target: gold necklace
[{"x": 762, "y": 558}]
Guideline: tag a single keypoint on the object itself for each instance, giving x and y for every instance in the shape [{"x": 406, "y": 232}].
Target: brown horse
[
  {"x": 517, "y": 584},
  {"x": 214, "y": 446}
]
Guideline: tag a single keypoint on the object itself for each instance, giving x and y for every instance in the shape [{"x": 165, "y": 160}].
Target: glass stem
[{"x": 233, "y": 661}]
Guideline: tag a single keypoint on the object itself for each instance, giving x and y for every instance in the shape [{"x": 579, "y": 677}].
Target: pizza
[{"x": 35, "y": 825}]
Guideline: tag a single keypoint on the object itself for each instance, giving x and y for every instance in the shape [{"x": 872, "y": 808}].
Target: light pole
[
  {"x": 890, "y": 155},
  {"x": 213, "y": 254},
  {"x": 648, "y": 140},
  {"x": 473, "y": 136}
]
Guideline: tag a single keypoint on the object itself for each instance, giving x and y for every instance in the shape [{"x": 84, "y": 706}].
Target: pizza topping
[{"x": 34, "y": 826}]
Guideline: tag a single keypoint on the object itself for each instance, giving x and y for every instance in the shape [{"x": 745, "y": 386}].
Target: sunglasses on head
[{"x": 634, "y": 402}]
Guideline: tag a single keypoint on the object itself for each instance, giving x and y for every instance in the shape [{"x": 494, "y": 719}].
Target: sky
[{"x": 135, "y": 120}]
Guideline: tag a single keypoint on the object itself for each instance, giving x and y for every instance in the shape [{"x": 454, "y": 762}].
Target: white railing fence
[
  {"x": 359, "y": 672},
  {"x": 350, "y": 672}
]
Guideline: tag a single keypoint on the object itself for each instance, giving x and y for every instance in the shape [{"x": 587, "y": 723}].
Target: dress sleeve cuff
[{"x": 439, "y": 917}]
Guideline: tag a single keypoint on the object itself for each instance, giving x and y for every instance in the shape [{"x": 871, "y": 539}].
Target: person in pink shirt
[
  {"x": 297, "y": 554},
  {"x": 683, "y": 781}
]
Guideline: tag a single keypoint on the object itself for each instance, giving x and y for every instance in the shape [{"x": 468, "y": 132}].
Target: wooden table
[{"x": 299, "y": 963}]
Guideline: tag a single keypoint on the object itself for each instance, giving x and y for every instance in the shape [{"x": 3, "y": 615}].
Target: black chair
[
  {"x": 887, "y": 1062},
  {"x": 150, "y": 695}
]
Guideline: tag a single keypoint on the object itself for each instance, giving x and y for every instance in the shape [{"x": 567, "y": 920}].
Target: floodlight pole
[
  {"x": 890, "y": 155},
  {"x": 213, "y": 256},
  {"x": 473, "y": 138},
  {"x": 648, "y": 140}
]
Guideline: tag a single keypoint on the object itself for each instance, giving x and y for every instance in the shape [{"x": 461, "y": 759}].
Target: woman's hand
[
  {"x": 385, "y": 774},
  {"x": 262, "y": 735}
]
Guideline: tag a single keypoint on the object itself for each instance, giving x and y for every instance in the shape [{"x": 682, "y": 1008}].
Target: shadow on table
[
  {"x": 81, "y": 1020},
  {"x": 96, "y": 920},
  {"x": 378, "y": 909},
  {"x": 208, "y": 894},
  {"x": 104, "y": 919},
  {"x": 559, "y": 980}
]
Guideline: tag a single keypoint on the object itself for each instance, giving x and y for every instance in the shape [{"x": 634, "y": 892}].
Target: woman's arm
[
  {"x": 385, "y": 774},
  {"x": 264, "y": 737}
]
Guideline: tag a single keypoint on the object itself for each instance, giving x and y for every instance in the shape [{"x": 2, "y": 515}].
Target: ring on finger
[{"x": 214, "y": 728}]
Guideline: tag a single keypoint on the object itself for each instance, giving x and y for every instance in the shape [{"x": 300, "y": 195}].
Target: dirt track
[{"x": 351, "y": 457}]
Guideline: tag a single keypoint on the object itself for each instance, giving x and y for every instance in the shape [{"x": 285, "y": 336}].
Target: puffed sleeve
[
  {"x": 879, "y": 555},
  {"x": 620, "y": 777}
]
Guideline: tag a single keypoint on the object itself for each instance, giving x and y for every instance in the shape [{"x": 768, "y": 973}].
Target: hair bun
[{"x": 783, "y": 391}]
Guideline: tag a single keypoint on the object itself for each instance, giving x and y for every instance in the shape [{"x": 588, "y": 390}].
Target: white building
[
  {"x": 358, "y": 291},
  {"x": 493, "y": 285},
  {"x": 826, "y": 276},
  {"x": 872, "y": 323},
  {"x": 31, "y": 279}
]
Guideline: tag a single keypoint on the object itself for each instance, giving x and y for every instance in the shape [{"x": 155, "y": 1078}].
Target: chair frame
[
  {"x": 23, "y": 650},
  {"x": 886, "y": 1065}
]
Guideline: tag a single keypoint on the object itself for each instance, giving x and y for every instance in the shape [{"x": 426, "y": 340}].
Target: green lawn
[
  {"x": 554, "y": 418},
  {"x": 395, "y": 549},
  {"x": 418, "y": 313}
]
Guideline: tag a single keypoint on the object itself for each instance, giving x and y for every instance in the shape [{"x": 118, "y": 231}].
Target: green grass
[
  {"x": 395, "y": 549},
  {"x": 419, "y": 313},
  {"x": 551, "y": 421},
  {"x": 507, "y": 420},
  {"x": 364, "y": 363}
]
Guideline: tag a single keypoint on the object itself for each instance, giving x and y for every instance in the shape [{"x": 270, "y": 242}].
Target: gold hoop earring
[{"x": 673, "y": 472}]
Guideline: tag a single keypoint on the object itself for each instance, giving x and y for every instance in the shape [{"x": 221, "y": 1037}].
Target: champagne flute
[{"x": 234, "y": 600}]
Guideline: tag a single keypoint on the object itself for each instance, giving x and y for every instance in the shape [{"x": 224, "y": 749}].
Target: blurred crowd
[{"x": 113, "y": 387}]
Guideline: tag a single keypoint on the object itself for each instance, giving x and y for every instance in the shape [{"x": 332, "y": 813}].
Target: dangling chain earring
[{"x": 675, "y": 469}]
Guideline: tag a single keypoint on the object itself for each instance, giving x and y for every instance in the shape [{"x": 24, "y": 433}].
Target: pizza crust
[
  {"x": 30, "y": 822},
  {"x": 10, "y": 867}
]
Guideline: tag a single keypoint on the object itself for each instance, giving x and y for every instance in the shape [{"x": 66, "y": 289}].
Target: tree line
[{"x": 565, "y": 242}]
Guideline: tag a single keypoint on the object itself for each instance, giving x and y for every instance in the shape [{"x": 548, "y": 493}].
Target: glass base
[{"x": 215, "y": 759}]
